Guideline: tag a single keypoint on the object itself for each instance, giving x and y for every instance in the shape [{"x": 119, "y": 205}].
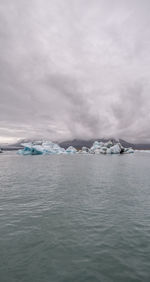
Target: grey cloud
[
  {"x": 74, "y": 69},
  {"x": 78, "y": 111}
]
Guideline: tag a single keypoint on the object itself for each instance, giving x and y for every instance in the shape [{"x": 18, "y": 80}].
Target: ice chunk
[
  {"x": 45, "y": 148},
  {"x": 109, "y": 148},
  {"x": 30, "y": 151},
  {"x": 103, "y": 150},
  {"x": 116, "y": 149},
  {"x": 84, "y": 150},
  {"x": 108, "y": 144},
  {"x": 128, "y": 151},
  {"x": 52, "y": 148},
  {"x": 71, "y": 150}
]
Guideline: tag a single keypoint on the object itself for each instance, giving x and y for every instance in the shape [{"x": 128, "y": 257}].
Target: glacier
[{"x": 48, "y": 148}]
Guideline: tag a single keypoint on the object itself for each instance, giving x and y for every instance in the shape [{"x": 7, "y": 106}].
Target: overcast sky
[{"x": 74, "y": 69}]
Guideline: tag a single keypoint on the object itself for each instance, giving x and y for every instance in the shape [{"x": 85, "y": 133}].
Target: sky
[{"x": 74, "y": 69}]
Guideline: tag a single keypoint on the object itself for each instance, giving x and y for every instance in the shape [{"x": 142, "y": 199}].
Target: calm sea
[{"x": 79, "y": 218}]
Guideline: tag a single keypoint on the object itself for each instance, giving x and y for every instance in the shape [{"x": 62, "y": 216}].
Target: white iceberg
[
  {"x": 109, "y": 148},
  {"x": 84, "y": 150},
  {"x": 116, "y": 149},
  {"x": 128, "y": 151},
  {"x": 71, "y": 150}
]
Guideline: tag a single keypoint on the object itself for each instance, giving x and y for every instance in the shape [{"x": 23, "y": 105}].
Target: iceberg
[
  {"x": 109, "y": 148},
  {"x": 52, "y": 148},
  {"x": 71, "y": 150},
  {"x": 116, "y": 149},
  {"x": 30, "y": 149},
  {"x": 84, "y": 150},
  {"x": 47, "y": 147},
  {"x": 128, "y": 151}
]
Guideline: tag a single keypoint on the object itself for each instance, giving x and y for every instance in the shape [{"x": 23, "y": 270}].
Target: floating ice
[
  {"x": 48, "y": 147},
  {"x": 109, "y": 148},
  {"x": 128, "y": 151},
  {"x": 71, "y": 150},
  {"x": 84, "y": 150}
]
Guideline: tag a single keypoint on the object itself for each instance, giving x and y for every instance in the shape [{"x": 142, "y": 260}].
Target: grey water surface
[{"x": 74, "y": 218}]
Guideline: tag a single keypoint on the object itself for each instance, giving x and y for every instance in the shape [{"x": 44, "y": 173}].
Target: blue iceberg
[{"x": 47, "y": 147}]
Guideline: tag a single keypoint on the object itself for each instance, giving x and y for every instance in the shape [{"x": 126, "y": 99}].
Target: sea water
[{"x": 75, "y": 218}]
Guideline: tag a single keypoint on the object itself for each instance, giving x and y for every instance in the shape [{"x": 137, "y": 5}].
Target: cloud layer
[{"x": 74, "y": 69}]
